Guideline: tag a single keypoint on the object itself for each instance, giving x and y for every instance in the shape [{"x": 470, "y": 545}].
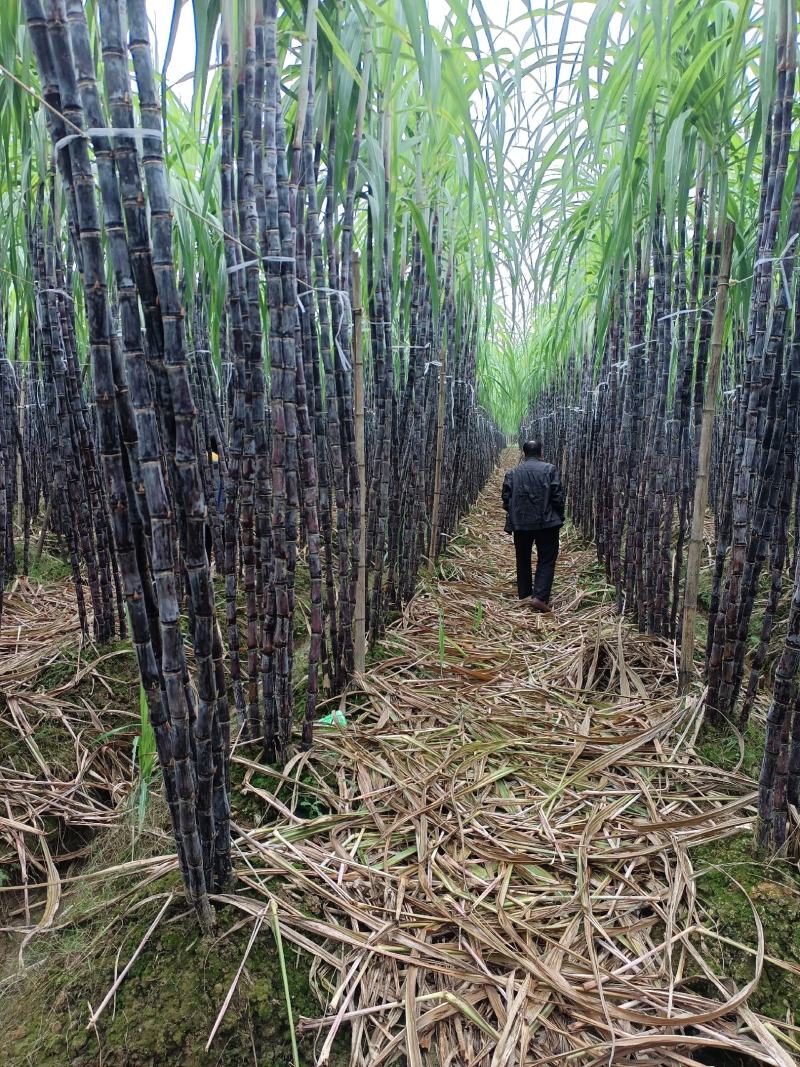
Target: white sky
[
  {"x": 182, "y": 63},
  {"x": 504, "y": 13}
]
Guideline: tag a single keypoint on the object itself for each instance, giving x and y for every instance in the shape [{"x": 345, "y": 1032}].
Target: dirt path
[{"x": 506, "y": 876}]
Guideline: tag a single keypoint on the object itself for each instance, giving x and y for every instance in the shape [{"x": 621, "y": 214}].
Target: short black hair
[{"x": 532, "y": 449}]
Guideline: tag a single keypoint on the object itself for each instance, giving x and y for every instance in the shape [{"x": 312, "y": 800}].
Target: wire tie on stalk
[
  {"x": 432, "y": 363},
  {"x": 138, "y": 133}
]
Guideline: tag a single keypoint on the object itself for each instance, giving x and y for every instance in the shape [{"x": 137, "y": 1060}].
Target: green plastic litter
[{"x": 335, "y": 718}]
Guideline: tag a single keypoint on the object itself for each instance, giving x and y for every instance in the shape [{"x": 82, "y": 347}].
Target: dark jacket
[{"x": 533, "y": 496}]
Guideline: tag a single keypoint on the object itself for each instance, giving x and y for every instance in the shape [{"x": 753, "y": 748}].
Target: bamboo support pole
[
  {"x": 37, "y": 556},
  {"x": 359, "y": 621},
  {"x": 305, "y": 63},
  {"x": 437, "y": 477},
  {"x": 20, "y": 444},
  {"x": 703, "y": 461}
]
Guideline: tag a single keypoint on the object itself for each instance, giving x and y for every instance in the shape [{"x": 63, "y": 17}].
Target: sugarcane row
[
  {"x": 336, "y": 435},
  {"x": 626, "y": 421}
]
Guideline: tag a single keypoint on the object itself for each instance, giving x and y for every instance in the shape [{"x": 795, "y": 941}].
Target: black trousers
[{"x": 546, "y": 542}]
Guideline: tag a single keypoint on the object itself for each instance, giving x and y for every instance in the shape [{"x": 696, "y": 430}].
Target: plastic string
[
  {"x": 38, "y": 395},
  {"x": 61, "y": 292},
  {"x": 346, "y": 312},
  {"x": 773, "y": 259},
  {"x": 228, "y": 374},
  {"x": 213, "y": 368},
  {"x": 687, "y": 311},
  {"x": 32, "y": 283},
  {"x": 12, "y": 368},
  {"x": 463, "y": 381},
  {"x": 784, "y": 279},
  {"x": 256, "y": 262},
  {"x": 137, "y": 133},
  {"x": 342, "y": 296}
]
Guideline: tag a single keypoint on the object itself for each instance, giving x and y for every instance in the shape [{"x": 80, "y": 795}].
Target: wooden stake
[
  {"x": 703, "y": 459},
  {"x": 360, "y": 617}
]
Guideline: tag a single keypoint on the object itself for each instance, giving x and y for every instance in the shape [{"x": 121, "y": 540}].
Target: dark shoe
[{"x": 540, "y": 606}]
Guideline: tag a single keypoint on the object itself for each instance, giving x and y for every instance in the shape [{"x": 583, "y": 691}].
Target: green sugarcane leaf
[{"x": 335, "y": 44}]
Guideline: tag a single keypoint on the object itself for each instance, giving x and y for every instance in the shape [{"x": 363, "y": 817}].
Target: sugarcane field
[{"x": 399, "y": 533}]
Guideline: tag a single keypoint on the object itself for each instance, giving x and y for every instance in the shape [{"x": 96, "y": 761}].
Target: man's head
[{"x": 532, "y": 449}]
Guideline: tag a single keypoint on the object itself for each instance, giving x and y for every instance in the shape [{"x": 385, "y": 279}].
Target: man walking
[{"x": 533, "y": 498}]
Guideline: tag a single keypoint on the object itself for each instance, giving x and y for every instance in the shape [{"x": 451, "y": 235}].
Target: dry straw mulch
[
  {"x": 506, "y": 876},
  {"x": 63, "y": 773},
  {"x": 502, "y": 874}
]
